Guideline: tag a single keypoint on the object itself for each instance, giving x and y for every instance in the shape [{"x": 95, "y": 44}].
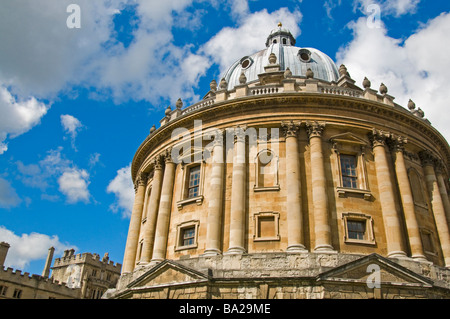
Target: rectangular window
[
  {"x": 188, "y": 236},
  {"x": 348, "y": 171},
  {"x": 194, "y": 182},
  {"x": 427, "y": 242},
  {"x": 17, "y": 293},
  {"x": 3, "y": 290},
  {"x": 356, "y": 229}
]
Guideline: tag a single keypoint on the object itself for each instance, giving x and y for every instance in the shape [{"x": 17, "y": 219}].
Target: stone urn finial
[
  {"x": 272, "y": 58},
  {"x": 152, "y": 129},
  {"x": 287, "y": 73},
  {"x": 168, "y": 110},
  {"x": 411, "y": 105},
  {"x": 366, "y": 83},
  {"x": 309, "y": 74},
  {"x": 179, "y": 104},
  {"x": 343, "y": 70},
  {"x": 420, "y": 112},
  {"x": 223, "y": 84},
  {"x": 383, "y": 89},
  {"x": 242, "y": 78},
  {"x": 213, "y": 85}
]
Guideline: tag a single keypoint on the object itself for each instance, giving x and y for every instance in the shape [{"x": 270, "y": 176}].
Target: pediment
[
  {"x": 387, "y": 272},
  {"x": 168, "y": 272},
  {"x": 348, "y": 138}
]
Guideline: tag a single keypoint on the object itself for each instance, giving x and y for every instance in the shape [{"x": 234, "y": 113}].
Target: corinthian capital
[
  {"x": 157, "y": 162},
  {"x": 427, "y": 158},
  {"x": 379, "y": 137},
  {"x": 314, "y": 128},
  {"x": 168, "y": 158},
  {"x": 141, "y": 180},
  {"x": 290, "y": 128},
  {"x": 397, "y": 143}
]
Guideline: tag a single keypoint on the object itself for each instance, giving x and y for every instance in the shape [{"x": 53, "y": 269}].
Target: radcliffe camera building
[{"x": 290, "y": 180}]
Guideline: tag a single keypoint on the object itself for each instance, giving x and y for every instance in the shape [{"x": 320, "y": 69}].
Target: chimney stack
[
  {"x": 3, "y": 252},
  {"x": 48, "y": 263}
]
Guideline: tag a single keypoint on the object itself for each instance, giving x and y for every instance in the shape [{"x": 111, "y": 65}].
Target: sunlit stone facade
[{"x": 288, "y": 180}]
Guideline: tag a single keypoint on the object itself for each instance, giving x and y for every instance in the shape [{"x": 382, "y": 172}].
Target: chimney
[
  {"x": 48, "y": 263},
  {"x": 3, "y": 252}
]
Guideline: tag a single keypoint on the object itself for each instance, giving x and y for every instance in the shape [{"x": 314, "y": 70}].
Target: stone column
[
  {"x": 238, "y": 195},
  {"x": 437, "y": 204},
  {"x": 214, "y": 226},
  {"x": 152, "y": 209},
  {"x": 394, "y": 241},
  {"x": 443, "y": 190},
  {"x": 165, "y": 208},
  {"x": 48, "y": 262},
  {"x": 319, "y": 188},
  {"x": 135, "y": 223},
  {"x": 293, "y": 205},
  {"x": 3, "y": 252},
  {"x": 412, "y": 225}
]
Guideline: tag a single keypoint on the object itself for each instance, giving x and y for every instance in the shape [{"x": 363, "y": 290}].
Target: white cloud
[
  {"x": 17, "y": 117},
  {"x": 389, "y": 7},
  {"x": 8, "y": 195},
  {"x": 74, "y": 184},
  {"x": 71, "y": 126},
  {"x": 417, "y": 68},
  {"x": 56, "y": 170},
  {"x": 122, "y": 187},
  {"x": 28, "y": 247},
  {"x": 231, "y": 44}
]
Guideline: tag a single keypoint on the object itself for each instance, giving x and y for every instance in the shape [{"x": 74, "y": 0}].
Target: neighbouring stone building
[
  {"x": 288, "y": 180},
  {"x": 82, "y": 276}
]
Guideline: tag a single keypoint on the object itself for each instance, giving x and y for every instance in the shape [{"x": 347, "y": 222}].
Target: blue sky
[{"x": 76, "y": 103}]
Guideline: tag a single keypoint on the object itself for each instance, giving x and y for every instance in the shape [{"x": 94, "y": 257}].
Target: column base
[
  {"x": 421, "y": 258},
  {"x": 325, "y": 249},
  {"x": 211, "y": 252},
  {"x": 235, "y": 251},
  {"x": 397, "y": 254},
  {"x": 296, "y": 249},
  {"x": 154, "y": 262}
]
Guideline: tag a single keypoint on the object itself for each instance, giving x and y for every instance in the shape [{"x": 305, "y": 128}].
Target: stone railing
[
  {"x": 199, "y": 105},
  {"x": 265, "y": 90},
  {"x": 340, "y": 91}
]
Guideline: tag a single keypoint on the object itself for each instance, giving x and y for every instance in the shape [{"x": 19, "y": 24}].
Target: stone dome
[{"x": 281, "y": 43}]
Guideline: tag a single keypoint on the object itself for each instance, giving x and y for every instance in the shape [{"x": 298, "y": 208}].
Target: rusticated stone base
[{"x": 285, "y": 276}]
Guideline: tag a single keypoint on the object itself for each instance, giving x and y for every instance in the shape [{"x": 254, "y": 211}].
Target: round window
[
  {"x": 246, "y": 62},
  {"x": 305, "y": 55}
]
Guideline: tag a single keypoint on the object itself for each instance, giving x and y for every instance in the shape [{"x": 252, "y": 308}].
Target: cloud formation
[
  {"x": 8, "y": 195},
  {"x": 29, "y": 247},
  {"x": 122, "y": 187},
  {"x": 417, "y": 67}
]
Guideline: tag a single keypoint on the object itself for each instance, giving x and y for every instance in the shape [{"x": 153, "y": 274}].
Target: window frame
[
  {"x": 359, "y": 217},
  {"x": 276, "y": 220},
  {"x": 427, "y": 232},
  {"x": 185, "y": 199},
  {"x": 179, "y": 245},
  {"x": 348, "y": 144}
]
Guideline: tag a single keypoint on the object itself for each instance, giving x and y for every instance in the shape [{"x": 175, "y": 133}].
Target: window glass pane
[
  {"x": 348, "y": 171},
  {"x": 188, "y": 236},
  {"x": 194, "y": 181},
  {"x": 356, "y": 229}
]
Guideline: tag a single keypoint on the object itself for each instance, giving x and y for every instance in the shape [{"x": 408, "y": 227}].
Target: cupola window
[
  {"x": 304, "y": 55},
  {"x": 246, "y": 62}
]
